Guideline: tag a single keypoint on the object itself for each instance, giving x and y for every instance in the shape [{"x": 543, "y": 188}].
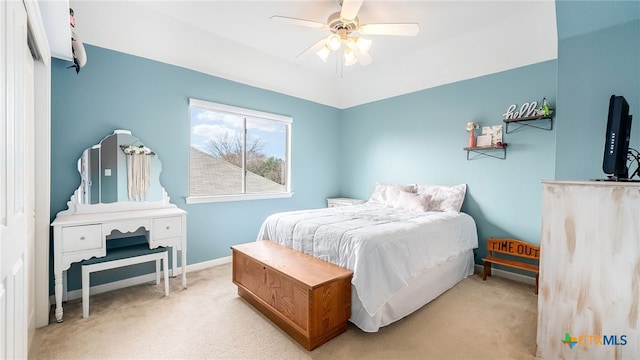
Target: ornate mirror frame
[{"x": 77, "y": 206}]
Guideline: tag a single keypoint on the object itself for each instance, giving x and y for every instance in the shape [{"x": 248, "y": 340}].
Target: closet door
[{"x": 16, "y": 180}]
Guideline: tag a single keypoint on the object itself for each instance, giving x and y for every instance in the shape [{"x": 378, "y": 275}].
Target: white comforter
[{"x": 384, "y": 247}]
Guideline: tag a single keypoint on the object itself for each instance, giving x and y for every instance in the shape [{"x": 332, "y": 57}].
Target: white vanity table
[{"x": 81, "y": 232}]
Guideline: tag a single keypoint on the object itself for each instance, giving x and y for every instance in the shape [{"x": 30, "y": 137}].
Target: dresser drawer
[
  {"x": 169, "y": 227},
  {"x": 78, "y": 238}
]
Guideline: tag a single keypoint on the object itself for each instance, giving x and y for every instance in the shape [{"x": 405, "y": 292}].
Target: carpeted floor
[{"x": 495, "y": 319}]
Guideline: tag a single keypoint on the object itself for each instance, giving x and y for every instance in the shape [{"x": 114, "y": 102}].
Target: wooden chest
[{"x": 308, "y": 298}]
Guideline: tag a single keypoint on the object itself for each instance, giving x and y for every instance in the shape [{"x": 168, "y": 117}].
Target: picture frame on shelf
[
  {"x": 494, "y": 133},
  {"x": 483, "y": 141}
]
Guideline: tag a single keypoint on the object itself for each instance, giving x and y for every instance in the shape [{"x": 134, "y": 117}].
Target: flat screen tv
[{"x": 616, "y": 143}]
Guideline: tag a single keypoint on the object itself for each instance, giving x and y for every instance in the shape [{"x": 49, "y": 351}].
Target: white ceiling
[{"x": 236, "y": 40}]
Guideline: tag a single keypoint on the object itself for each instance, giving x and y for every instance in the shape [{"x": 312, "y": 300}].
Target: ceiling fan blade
[
  {"x": 405, "y": 29},
  {"x": 298, "y": 22},
  {"x": 313, "y": 48},
  {"x": 350, "y": 9}
]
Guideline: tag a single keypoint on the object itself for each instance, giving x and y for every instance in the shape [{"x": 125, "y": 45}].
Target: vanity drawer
[
  {"x": 167, "y": 227},
  {"x": 84, "y": 237}
]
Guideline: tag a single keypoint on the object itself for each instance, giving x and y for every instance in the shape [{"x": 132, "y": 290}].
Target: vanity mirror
[{"x": 119, "y": 173}]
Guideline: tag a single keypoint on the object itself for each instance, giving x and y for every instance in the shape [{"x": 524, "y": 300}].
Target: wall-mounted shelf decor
[
  {"x": 530, "y": 121},
  {"x": 530, "y": 114},
  {"x": 495, "y": 151}
]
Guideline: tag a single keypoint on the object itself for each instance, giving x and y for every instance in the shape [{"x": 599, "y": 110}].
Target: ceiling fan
[{"x": 344, "y": 25}]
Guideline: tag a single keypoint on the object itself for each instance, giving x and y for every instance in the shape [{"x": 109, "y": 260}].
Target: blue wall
[
  {"x": 598, "y": 55},
  {"x": 119, "y": 91},
  {"x": 418, "y": 138}
]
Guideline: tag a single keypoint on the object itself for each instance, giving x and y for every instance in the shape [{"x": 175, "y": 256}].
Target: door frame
[{"x": 42, "y": 139}]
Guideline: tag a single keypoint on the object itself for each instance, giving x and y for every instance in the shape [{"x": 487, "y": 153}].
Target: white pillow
[
  {"x": 443, "y": 198},
  {"x": 412, "y": 202},
  {"x": 392, "y": 194},
  {"x": 379, "y": 195}
]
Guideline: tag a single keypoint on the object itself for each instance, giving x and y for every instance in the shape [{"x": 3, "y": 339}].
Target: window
[{"x": 237, "y": 154}]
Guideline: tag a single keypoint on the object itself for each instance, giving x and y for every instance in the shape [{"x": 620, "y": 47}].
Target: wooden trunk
[
  {"x": 588, "y": 303},
  {"x": 308, "y": 298}
]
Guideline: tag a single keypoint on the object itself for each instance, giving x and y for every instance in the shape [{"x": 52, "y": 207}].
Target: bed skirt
[{"x": 420, "y": 290}]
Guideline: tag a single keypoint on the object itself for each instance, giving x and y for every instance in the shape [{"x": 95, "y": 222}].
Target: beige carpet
[{"x": 495, "y": 319}]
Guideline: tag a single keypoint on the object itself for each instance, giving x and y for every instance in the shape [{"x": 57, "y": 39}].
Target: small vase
[{"x": 472, "y": 139}]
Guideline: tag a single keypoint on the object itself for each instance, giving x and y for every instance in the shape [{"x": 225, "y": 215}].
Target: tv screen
[{"x": 617, "y": 139}]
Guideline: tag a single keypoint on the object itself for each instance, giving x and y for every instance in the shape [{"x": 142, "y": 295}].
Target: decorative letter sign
[{"x": 526, "y": 110}]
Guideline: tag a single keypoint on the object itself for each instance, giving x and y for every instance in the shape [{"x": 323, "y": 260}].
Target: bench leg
[
  {"x": 174, "y": 260},
  {"x": 166, "y": 273},
  {"x": 85, "y": 292},
  {"x": 158, "y": 271},
  {"x": 487, "y": 271}
]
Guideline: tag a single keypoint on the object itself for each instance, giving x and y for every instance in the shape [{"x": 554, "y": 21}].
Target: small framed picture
[
  {"x": 483, "y": 141},
  {"x": 496, "y": 134}
]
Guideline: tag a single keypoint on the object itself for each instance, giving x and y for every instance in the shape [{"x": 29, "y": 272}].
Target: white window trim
[
  {"x": 238, "y": 197},
  {"x": 253, "y": 113},
  {"x": 239, "y": 110}
]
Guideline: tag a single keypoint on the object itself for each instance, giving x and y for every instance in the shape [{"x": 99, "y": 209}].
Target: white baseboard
[
  {"x": 98, "y": 289},
  {"x": 208, "y": 264},
  {"x": 114, "y": 285},
  {"x": 508, "y": 275}
]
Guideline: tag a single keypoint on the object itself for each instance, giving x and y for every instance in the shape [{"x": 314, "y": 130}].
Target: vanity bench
[{"x": 121, "y": 257}]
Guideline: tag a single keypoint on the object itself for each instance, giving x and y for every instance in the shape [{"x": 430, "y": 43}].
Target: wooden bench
[
  {"x": 123, "y": 256},
  {"x": 513, "y": 248},
  {"x": 308, "y": 298}
]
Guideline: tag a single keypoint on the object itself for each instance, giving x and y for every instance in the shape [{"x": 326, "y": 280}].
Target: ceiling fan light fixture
[
  {"x": 363, "y": 44},
  {"x": 324, "y": 53},
  {"x": 333, "y": 42},
  {"x": 349, "y": 57},
  {"x": 351, "y": 42}
]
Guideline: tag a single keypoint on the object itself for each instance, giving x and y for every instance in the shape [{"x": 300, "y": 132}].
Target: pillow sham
[
  {"x": 443, "y": 198},
  {"x": 412, "y": 201},
  {"x": 392, "y": 194},
  {"x": 377, "y": 196},
  {"x": 381, "y": 191}
]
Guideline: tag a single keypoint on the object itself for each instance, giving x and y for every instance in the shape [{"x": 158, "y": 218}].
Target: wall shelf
[
  {"x": 530, "y": 121},
  {"x": 498, "y": 152}
]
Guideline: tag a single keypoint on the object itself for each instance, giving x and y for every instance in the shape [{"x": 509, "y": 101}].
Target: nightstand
[{"x": 335, "y": 202}]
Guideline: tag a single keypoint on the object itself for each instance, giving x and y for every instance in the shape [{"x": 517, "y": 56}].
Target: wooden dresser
[
  {"x": 308, "y": 298},
  {"x": 589, "y": 271}
]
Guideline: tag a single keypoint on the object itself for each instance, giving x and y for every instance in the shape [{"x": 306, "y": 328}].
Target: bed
[{"x": 402, "y": 257}]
